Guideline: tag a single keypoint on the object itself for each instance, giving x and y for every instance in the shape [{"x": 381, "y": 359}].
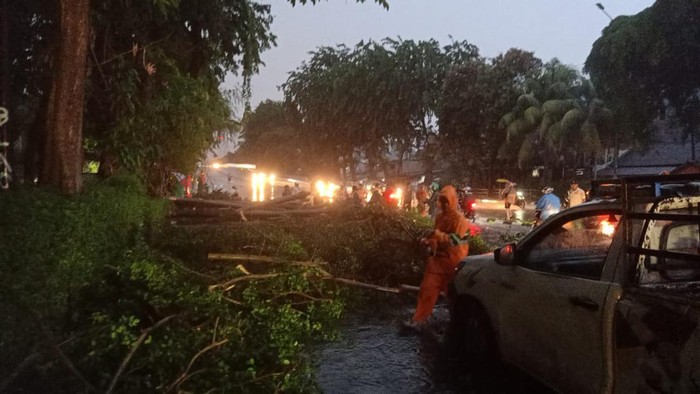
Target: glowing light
[
  {"x": 397, "y": 195},
  {"x": 606, "y": 228},
  {"x": 271, "y": 179},
  {"x": 321, "y": 188},
  {"x": 261, "y": 186},
  {"x": 254, "y": 185},
  {"x": 326, "y": 190},
  {"x": 234, "y": 165}
]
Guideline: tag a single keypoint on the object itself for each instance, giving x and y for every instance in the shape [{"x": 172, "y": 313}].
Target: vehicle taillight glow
[
  {"x": 473, "y": 205},
  {"x": 606, "y": 228}
]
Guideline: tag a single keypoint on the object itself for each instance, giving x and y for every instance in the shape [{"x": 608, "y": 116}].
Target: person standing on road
[
  {"x": 575, "y": 196},
  {"x": 296, "y": 189},
  {"x": 508, "y": 194},
  {"x": 447, "y": 250}
]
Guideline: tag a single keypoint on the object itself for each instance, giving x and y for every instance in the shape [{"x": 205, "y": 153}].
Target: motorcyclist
[
  {"x": 547, "y": 205},
  {"x": 468, "y": 203}
]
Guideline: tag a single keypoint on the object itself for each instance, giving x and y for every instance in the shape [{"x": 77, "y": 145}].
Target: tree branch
[
  {"x": 229, "y": 284},
  {"x": 184, "y": 376},
  {"x": 136, "y": 345},
  {"x": 68, "y": 363}
]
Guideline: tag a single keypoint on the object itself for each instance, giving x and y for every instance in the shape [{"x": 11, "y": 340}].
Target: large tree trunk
[{"x": 62, "y": 164}]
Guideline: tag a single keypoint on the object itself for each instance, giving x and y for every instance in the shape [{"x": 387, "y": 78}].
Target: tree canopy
[
  {"x": 474, "y": 98},
  {"x": 359, "y": 104},
  {"x": 557, "y": 122},
  {"x": 648, "y": 65},
  {"x": 145, "y": 62}
]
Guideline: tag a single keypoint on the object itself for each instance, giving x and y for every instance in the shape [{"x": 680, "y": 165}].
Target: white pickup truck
[{"x": 602, "y": 297}]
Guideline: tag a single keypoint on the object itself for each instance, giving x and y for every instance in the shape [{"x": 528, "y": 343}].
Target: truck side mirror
[{"x": 505, "y": 255}]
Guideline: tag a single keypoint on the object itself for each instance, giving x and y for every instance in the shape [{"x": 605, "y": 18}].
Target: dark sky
[{"x": 565, "y": 29}]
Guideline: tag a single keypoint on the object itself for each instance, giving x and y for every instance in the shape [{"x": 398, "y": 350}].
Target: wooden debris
[
  {"x": 315, "y": 264},
  {"x": 200, "y": 211},
  {"x": 366, "y": 285},
  {"x": 262, "y": 259}
]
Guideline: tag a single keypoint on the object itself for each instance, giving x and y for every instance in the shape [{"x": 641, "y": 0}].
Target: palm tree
[{"x": 559, "y": 122}]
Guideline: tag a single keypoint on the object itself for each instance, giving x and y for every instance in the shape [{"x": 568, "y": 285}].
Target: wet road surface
[{"x": 376, "y": 354}]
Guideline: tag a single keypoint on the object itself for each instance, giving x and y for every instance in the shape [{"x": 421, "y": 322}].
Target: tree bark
[{"x": 62, "y": 164}]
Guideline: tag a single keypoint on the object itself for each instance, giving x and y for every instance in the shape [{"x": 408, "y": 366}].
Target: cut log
[
  {"x": 366, "y": 285},
  {"x": 281, "y": 200},
  {"x": 262, "y": 259},
  {"x": 200, "y": 202},
  {"x": 292, "y": 212},
  {"x": 409, "y": 288}
]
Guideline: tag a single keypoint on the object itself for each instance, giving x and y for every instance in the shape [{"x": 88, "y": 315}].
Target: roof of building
[{"x": 671, "y": 150}]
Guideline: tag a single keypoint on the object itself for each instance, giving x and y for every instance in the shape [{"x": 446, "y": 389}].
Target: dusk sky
[{"x": 565, "y": 29}]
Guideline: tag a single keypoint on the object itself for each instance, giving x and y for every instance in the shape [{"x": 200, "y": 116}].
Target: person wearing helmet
[{"x": 547, "y": 205}]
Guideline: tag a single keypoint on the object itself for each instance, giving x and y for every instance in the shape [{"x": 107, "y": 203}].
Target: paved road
[{"x": 490, "y": 217}]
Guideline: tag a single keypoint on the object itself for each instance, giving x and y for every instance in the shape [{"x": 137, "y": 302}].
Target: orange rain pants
[{"x": 440, "y": 268}]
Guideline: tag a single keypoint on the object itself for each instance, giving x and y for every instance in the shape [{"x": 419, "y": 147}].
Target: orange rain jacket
[{"x": 440, "y": 268}]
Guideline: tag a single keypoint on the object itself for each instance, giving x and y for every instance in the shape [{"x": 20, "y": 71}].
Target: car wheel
[{"x": 472, "y": 333}]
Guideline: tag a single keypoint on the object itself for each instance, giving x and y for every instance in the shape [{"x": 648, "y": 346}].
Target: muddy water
[{"x": 375, "y": 354}]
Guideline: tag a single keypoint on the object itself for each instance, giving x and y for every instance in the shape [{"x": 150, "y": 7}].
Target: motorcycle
[{"x": 467, "y": 202}]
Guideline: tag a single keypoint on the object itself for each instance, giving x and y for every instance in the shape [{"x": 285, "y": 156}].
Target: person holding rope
[{"x": 447, "y": 246}]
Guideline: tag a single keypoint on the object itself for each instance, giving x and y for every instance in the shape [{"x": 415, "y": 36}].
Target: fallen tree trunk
[
  {"x": 305, "y": 211},
  {"x": 263, "y": 259},
  {"x": 366, "y": 285},
  {"x": 278, "y": 201},
  {"x": 200, "y": 202}
]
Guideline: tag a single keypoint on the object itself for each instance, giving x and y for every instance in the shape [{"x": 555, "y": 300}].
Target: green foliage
[
  {"x": 172, "y": 130},
  {"x": 376, "y": 245},
  {"x": 511, "y": 238},
  {"x": 477, "y": 245},
  {"x": 359, "y": 103},
  {"x": 54, "y": 246},
  {"x": 631, "y": 62},
  {"x": 272, "y": 139},
  {"x": 568, "y": 128},
  {"x": 475, "y": 97},
  {"x": 82, "y": 270}
]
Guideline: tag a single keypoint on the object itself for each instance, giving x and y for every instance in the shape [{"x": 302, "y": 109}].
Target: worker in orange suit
[{"x": 448, "y": 247}]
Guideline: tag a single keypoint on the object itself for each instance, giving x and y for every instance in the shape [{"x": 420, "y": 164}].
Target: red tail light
[{"x": 472, "y": 205}]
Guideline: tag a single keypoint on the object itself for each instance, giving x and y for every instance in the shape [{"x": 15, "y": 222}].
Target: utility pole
[
  {"x": 617, "y": 141},
  {"x": 5, "y": 66}
]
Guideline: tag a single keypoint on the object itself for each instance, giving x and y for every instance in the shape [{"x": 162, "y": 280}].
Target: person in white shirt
[{"x": 575, "y": 195}]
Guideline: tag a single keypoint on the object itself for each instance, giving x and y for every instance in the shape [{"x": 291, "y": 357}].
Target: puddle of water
[{"x": 376, "y": 355}]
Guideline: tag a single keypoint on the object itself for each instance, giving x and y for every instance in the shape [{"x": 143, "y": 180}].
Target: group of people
[{"x": 289, "y": 191}]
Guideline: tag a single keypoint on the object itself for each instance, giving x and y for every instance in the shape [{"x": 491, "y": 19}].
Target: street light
[
  {"x": 617, "y": 143},
  {"x": 600, "y": 6}
]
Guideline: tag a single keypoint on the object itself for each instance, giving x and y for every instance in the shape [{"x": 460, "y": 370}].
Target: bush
[
  {"x": 87, "y": 302},
  {"x": 99, "y": 293}
]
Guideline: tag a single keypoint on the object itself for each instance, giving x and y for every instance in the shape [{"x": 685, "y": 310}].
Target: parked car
[{"x": 602, "y": 297}]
